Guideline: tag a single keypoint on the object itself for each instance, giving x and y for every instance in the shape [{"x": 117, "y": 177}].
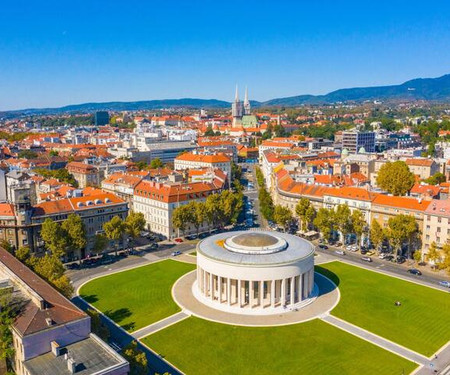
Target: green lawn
[
  {"x": 421, "y": 323},
  {"x": 198, "y": 346},
  {"x": 138, "y": 297},
  {"x": 194, "y": 253}
]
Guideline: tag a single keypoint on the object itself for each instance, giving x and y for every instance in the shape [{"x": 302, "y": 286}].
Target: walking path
[
  {"x": 377, "y": 340},
  {"x": 161, "y": 324}
]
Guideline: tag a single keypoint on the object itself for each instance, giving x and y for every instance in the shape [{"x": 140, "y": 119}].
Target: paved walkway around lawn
[
  {"x": 161, "y": 324},
  {"x": 186, "y": 258},
  {"x": 377, "y": 340},
  {"x": 327, "y": 299}
]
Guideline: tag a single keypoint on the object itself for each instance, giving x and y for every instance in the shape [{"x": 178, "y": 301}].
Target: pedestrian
[{"x": 435, "y": 356}]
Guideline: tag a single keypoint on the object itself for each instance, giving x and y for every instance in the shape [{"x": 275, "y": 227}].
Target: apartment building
[
  {"x": 158, "y": 200},
  {"x": 84, "y": 174},
  {"x": 436, "y": 224},
  {"x": 424, "y": 168},
  {"x": 194, "y": 160},
  {"x": 51, "y": 335},
  {"x": 355, "y": 141}
]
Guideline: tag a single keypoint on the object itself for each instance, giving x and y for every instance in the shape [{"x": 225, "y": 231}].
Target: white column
[
  {"x": 306, "y": 285},
  {"x": 283, "y": 292},
  {"x": 250, "y": 293},
  {"x": 219, "y": 280},
  {"x": 272, "y": 293},
  {"x": 239, "y": 286},
  {"x": 292, "y": 290},
  {"x": 312, "y": 279},
  {"x": 261, "y": 294},
  {"x": 229, "y": 291},
  {"x": 211, "y": 286},
  {"x": 205, "y": 285},
  {"x": 300, "y": 294}
]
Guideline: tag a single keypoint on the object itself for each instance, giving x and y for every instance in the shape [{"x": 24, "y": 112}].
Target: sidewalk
[{"x": 377, "y": 340}]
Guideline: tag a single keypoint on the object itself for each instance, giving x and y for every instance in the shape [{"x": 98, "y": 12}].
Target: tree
[
  {"x": 114, "y": 229},
  {"x": 433, "y": 254},
  {"x": 445, "y": 264},
  {"x": 27, "y": 154},
  {"x": 54, "y": 236},
  {"x": 395, "y": 178},
  {"x": 401, "y": 228},
  {"x": 358, "y": 224},
  {"x": 417, "y": 256},
  {"x": 97, "y": 326},
  {"x": 74, "y": 227},
  {"x": 310, "y": 214},
  {"x": 181, "y": 217},
  {"x": 209, "y": 132},
  {"x": 300, "y": 209},
  {"x": 265, "y": 204},
  {"x": 50, "y": 268},
  {"x": 135, "y": 224},
  {"x": 100, "y": 243},
  {"x": 377, "y": 234},
  {"x": 343, "y": 220},
  {"x": 53, "y": 153},
  {"x": 156, "y": 163},
  {"x": 10, "y": 308},
  {"x": 436, "y": 179},
  {"x": 23, "y": 253},
  {"x": 136, "y": 358},
  {"x": 141, "y": 165},
  {"x": 282, "y": 216},
  {"x": 324, "y": 222},
  {"x": 7, "y": 246},
  {"x": 198, "y": 214}
]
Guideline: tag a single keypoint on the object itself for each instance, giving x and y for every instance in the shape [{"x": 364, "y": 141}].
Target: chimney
[
  {"x": 56, "y": 350},
  {"x": 71, "y": 365},
  {"x": 49, "y": 321}
]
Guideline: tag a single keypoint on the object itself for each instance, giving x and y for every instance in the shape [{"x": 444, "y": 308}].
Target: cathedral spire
[
  {"x": 236, "y": 97},
  {"x": 246, "y": 95}
]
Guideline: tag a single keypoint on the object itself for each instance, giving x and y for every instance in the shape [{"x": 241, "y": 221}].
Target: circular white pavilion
[{"x": 255, "y": 272}]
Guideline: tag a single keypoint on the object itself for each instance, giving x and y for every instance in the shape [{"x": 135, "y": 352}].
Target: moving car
[
  {"x": 323, "y": 247},
  {"x": 445, "y": 283},
  {"x": 175, "y": 253},
  {"x": 340, "y": 252},
  {"x": 179, "y": 240},
  {"x": 414, "y": 271},
  {"x": 366, "y": 259}
]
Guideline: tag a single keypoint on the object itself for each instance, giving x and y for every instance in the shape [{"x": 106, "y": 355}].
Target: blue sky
[{"x": 54, "y": 53}]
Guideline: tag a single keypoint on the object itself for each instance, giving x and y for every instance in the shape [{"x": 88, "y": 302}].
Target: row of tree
[
  {"x": 220, "y": 209},
  {"x": 440, "y": 257}
]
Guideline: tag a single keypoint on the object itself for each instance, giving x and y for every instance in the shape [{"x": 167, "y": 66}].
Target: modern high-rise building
[
  {"x": 101, "y": 118},
  {"x": 355, "y": 141}
]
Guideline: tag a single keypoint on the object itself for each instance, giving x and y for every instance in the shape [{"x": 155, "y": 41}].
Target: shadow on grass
[
  {"x": 92, "y": 298},
  {"x": 119, "y": 314},
  {"x": 324, "y": 285}
]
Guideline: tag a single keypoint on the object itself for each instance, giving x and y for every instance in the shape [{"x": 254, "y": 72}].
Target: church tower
[
  {"x": 246, "y": 103},
  {"x": 237, "y": 110}
]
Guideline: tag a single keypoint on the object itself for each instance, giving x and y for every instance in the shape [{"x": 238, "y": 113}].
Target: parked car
[
  {"x": 366, "y": 259},
  {"x": 323, "y": 247},
  {"x": 370, "y": 253},
  {"x": 175, "y": 253},
  {"x": 340, "y": 252},
  {"x": 445, "y": 283},
  {"x": 400, "y": 260},
  {"x": 153, "y": 246},
  {"x": 364, "y": 251},
  {"x": 179, "y": 240},
  {"x": 414, "y": 271},
  {"x": 383, "y": 256}
]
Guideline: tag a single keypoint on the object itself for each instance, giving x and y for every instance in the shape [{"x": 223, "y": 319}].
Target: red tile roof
[{"x": 54, "y": 305}]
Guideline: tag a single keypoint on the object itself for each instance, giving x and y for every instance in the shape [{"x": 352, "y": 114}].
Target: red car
[{"x": 179, "y": 240}]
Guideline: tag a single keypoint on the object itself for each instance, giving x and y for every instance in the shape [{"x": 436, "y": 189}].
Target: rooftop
[
  {"x": 90, "y": 355},
  {"x": 255, "y": 248}
]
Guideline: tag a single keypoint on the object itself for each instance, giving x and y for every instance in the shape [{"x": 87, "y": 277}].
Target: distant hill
[{"x": 431, "y": 89}]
